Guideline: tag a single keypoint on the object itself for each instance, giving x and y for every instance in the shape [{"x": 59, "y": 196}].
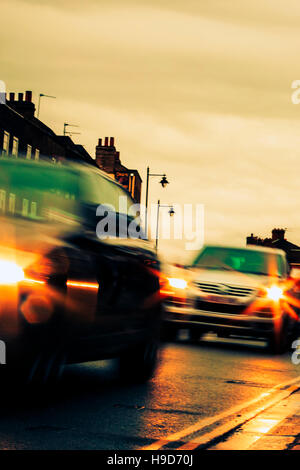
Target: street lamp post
[
  {"x": 171, "y": 212},
  {"x": 163, "y": 182},
  {"x": 39, "y": 104}
]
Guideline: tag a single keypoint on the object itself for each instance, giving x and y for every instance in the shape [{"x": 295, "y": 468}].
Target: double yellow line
[{"x": 238, "y": 415}]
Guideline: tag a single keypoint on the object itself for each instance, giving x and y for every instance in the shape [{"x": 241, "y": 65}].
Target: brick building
[
  {"x": 278, "y": 240},
  {"x": 22, "y": 135},
  {"x": 108, "y": 160}
]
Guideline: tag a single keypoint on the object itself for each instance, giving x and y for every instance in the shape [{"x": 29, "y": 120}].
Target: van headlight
[{"x": 274, "y": 293}]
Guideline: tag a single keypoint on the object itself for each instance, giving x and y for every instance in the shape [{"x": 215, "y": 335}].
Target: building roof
[{"x": 72, "y": 150}]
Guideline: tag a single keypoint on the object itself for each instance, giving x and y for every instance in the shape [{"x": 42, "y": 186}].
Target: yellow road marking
[{"x": 201, "y": 424}]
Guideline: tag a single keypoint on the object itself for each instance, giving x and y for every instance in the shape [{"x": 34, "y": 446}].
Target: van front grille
[{"x": 225, "y": 289}]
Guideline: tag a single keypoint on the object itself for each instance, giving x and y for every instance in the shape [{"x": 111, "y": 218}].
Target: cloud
[{"x": 199, "y": 90}]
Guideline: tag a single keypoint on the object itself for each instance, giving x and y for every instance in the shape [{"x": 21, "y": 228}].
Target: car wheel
[
  {"x": 275, "y": 346},
  {"x": 195, "y": 334},
  {"x": 138, "y": 364},
  {"x": 279, "y": 341},
  {"x": 45, "y": 369},
  {"x": 168, "y": 333},
  {"x": 223, "y": 334}
]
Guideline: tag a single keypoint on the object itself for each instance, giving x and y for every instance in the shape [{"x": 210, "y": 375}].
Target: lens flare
[
  {"x": 274, "y": 293},
  {"x": 10, "y": 273}
]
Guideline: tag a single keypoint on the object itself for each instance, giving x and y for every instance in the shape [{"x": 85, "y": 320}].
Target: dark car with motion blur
[{"x": 74, "y": 285}]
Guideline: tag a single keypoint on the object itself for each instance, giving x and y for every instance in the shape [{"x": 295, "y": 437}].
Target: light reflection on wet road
[{"x": 93, "y": 410}]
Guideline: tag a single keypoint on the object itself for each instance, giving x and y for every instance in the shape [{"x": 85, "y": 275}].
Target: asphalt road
[{"x": 91, "y": 409}]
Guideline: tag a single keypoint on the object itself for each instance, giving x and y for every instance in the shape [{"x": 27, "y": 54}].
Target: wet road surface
[{"x": 92, "y": 409}]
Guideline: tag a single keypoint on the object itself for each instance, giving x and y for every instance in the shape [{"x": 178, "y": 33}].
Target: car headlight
[
  {"x": 177, "y": 283},
  {"x": 274, "y": 293},
  {"x": 10, "y": 273}
]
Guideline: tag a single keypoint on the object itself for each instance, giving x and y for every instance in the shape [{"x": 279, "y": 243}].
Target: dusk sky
[{"x": 199, "y": 90}]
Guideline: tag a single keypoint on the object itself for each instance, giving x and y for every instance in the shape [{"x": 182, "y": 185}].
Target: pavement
[{"x": 277, "y": 428}]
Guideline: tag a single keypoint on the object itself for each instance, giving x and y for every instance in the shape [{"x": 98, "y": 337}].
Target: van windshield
[{"x": 244, "y": 261}]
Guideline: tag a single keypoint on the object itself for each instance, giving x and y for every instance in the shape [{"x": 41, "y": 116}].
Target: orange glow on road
[{"x": 263, "y": 425}]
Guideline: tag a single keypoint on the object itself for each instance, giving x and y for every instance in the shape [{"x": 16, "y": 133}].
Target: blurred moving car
[
  {"x": 67, "y": 294},
  {"x": 235, "y": 291}
]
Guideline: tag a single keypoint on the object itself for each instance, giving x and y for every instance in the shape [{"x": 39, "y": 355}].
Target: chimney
[
  {"x": 106, "y": 156},
  {"x": 278, "y": 234},
  {"x": 26, "y": 108},
  {"x": 28, "y": 96},
  {"x": 252, "y": 240}
]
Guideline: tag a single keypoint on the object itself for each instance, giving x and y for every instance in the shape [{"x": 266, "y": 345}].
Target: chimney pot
[
  {"x": 11, "y": 97},
  {"x": 106, "y": 142},
  {"x": 112, "y": 141},
  {"x": 100, "y": 142},
  {"x": 20, "y": 96},
  {"x": 278, "y": 233},
  {"x": 28, "y": 96}
]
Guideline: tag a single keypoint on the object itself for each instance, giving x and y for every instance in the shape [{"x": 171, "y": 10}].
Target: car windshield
[{"x": 245, "y": 261}]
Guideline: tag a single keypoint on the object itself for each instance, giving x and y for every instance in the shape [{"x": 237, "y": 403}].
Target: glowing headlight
[
  {"x": 177, "y": 283},
  {"x": 10, "y": 273},
  {"x": 274, "y": 293}
]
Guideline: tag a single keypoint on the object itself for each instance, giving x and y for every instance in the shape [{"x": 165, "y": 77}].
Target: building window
[
  {"x": 37, "y": 154},
  {"x": 29, "y": 150},
  {"x": 33, "y": 210},
  {"x": 5, "y": 150},
  {"x": 2, "y": 200},
  {"x": 12, "y": 203},
  {"x": 15, "y": 147},
  {"x": 25, "y": 205}
]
